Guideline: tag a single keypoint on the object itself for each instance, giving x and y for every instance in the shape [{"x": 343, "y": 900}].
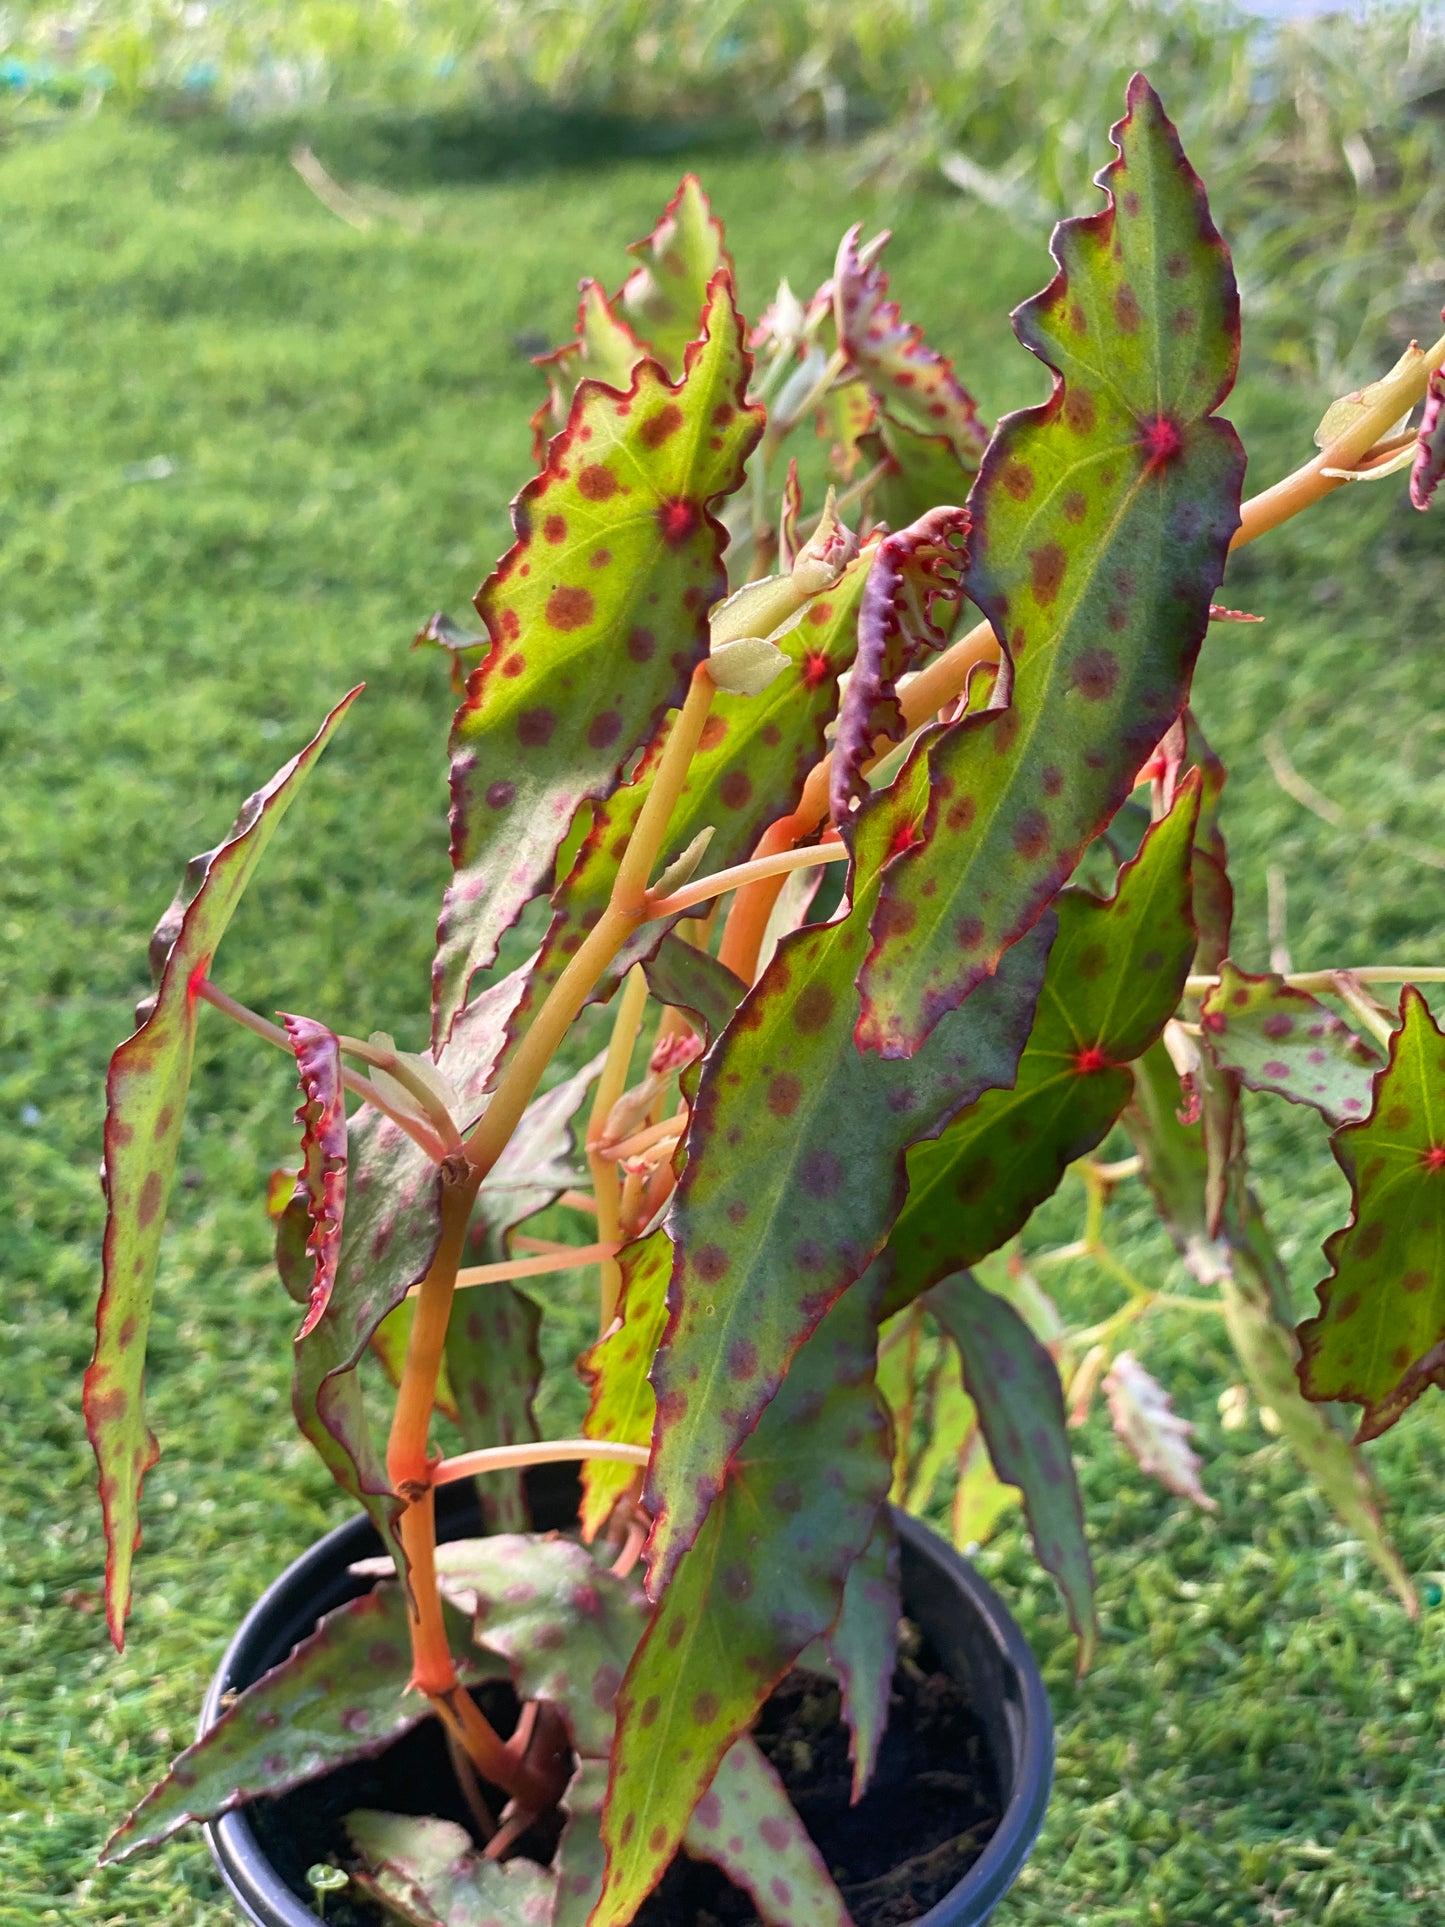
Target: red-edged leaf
[
  {"x": 541, "y": 1159},
  {"x": 605, "y": 349},
  {"x": 863, "y": 1646},
  {"x": 1153, "y": 1433},
  {"x": 746, "y": 1824},
  {"x": 1275, "y": 1038},
  {"x": 1015, "y": 1385},
  {"x": 693, "y": 980},
  {"x": 908, "y": 607},
  {"x": 916, "y": 383},
  {"x": 321, "y": 1180},
  {"x": 921, "y": 471},
  {"x": 427, "y": 1872},
  {"x": 1379, "y": 1337},
  {"x": 1101, "y": 521},
  {"x": 146, "y": 1090},
  {"x": 847, "y": 413},
  {"x": 464, "y": 649},
  {"x": 598, "y": 616},
  {"x": 795, "y": 1175},
  {"x": 494, "y": 1365},
  {"x": 1113, "y": 981},
  {"x": 340, "y": 1695},
  {"x": 666, "y": 292},
  {"x": 1429, "y": 463},
  {"x": 764, "y": 1578}
]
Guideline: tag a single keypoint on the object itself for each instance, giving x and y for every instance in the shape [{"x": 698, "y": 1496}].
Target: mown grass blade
[{"x": 146, "y": 1089}]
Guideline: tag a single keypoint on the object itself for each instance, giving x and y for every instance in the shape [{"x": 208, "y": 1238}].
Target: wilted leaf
[
  {"x": 428, "y": 1872},
  {"x": 666, "y": 293},
  {"x": 1275, "y": 1038},
  {"x": 1101, "y": 521},
  {"x": 1152, "y": 1431},
  {"x": 340, "y": 1695},
  {"x": 598, "y": 616},
  {"x": 1379, "y": 1337},
  {"x": 322, "y": 1178},
  {"x": 1015, "y": 1385},
  {"x": 763, "y": 1579},
  {"x": 146, "y": 1090}
]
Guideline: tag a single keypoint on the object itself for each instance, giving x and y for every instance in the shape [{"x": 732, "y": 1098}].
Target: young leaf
[
  {"x": 666, "y": 292},
  {"x": 340, "y": 1695},
  {"x": 495, "y": 1365},
  {"x": 1015, "y": 1385},
  {"x": 916, "y": 383},
  {"x": 463, "y": 649},
  {"x": 847, "y": 413},
  {"x": 146, "y": 1090},
  {"x": 1275, "y": 1038},
  {"x": 616, "y": 1368},
  {"x": 1155, "y": 1436},
  {"x": 605, "y": 349},
  {"x": 322, "y": 1178},
  {"x": 794, "y": 1177},
  {"x": 1113, "y": 981},
  {"x": 764, "y": 1578},
  {"x": 693, "y": 980},
  {"x": 1101, "y": 521},
  {"x": 746, "y": 1824},
  {"x": 1429, "y": 463},
  {"x": 908, "y": 607},
  {"x": 598, "y": 615},
  {"x": 863, "y": 1646},
  {"x": 1379, "y": 1337},
  {"x": 427, "y": 1872}
]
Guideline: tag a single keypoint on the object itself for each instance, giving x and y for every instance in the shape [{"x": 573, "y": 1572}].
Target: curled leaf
[
  {"x": 322, "y": 1178},
  {"x": 1429, "y": 454}
]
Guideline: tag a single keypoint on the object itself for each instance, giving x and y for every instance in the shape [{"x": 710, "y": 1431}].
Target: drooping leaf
[
  {"x": 746, "y": 1824},
  {"x": 494, "y": 1364},
  {"x": 565, "y": 1625},
  {"x": 1113, "y": 981},
  {"x": 427, "y": 1872},
  {"x": 1101, "y": 522},
  {"x": 146, "y": 1090},
  {"x": 900, "y": 1351},
  {"x": 863, "y": 1646},
  {"x": 1153, "y": 1433},
  {"x": 605, "y": 349},
  {"x": 915, "y": 382},
  {"x": 622, "y": 1405},
  {"x": 340, "y": 1695},
  {"x": 1275, "y": 1038},
  {"x": 795, "y": 1175},
  {"x": 666, "y": 292},
  {"x": 322, "y": 1178},
  {"x": 1429, "y": 463},
  {"x": 598, "y": 616},
  {"x": 1379, "y": 1337},
  {"x": 908, "y": 607},
  {"x": 1242, "y": 1265},
  {"x": 1015, "y": 1385},
  {"x": 921, "y": 472},
  {"x": 754, "y": 757},
  {"x": 764, "y": 1578}
]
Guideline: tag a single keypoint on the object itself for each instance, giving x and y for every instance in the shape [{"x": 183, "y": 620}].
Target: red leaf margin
[{"x": 322, "y": 1177}]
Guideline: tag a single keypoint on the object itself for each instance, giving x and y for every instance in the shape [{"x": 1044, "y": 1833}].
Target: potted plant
[{"x": 915, "y": 1016}]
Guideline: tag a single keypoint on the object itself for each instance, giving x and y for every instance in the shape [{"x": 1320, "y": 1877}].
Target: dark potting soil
[{"x": 931, "y": 1808}]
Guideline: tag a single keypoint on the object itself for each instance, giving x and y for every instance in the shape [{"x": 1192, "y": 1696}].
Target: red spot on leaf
[
  {"x": 1162, "y": 441},
  {"x": 710, "y": 1263},
  {"x": 1434, "y": 1159},
  {"x": 555, "y": 528},
  {"x": 597, "y": 483},
  {"x": 535, "y": 727},
  {"x": 660, "y": 427},
  {"x": 1090, "y": 1058},
  {"x": 736, "y": 789},
  {"x": 784, "y": 1094},
  {"x": 1096, "y": 674},
  {"x": 641, "y": 644},
  {"x": 1075, "y": 505},
  {"x": 605, "y": 729},
  {"x": 815, "y": 669},
  {"x": 678, "y": 519},
  {"x": 569, "y": 608},
  {"x": 150, "y": 1200},
  {"x": 1047, "y": 565},
  {"x": 500, "y": 794},
  {"x": 821, "y": 1173},
  {"x": 1018, "y": 479},
  {"x": 1079, "y": 412},
  {"x": 1031, "y": 834}
]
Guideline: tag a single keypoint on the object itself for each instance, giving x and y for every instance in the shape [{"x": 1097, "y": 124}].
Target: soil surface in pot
[{"x": 927, "y": 1816}]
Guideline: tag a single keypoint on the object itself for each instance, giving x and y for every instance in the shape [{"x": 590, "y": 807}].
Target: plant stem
[
  {"x": 503, "y": 1458},
  {"x": 395, "y": 1065},
  {"x": 606, "y": 1185},
  {"x": 569, "y": 1258},
  {"x": 755, "y": 870},
  {"x": 1317, "y": 980},
  {"x": 642, "y": 1140}
]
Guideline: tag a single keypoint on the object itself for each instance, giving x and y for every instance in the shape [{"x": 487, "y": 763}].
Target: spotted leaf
[
  {"x": 764, "y": 1578},
  {"x": 494, "y": 1365},
  {"x": 616, "y": 1368},
  {"x": 914, "y": 381},
  {"x": 693, "y": 980},
  {"x": 1113, "y": 981},
  {"x": 322, "y": 1178},
  {"x": 1379, "y": 1337},
  {"x": 1275, "y": 1038},
  {"x": 1429, "y": 463},
  {"x": 340, "y": 1695},
  {"x": 666, "y": 293},
  {"x": 1153, "y": 1433},
  {"x": 1015, "y": 1385},
  {"x": 389, "y": 1343},
  {"x": 541, "y": 1159},
  {"x": 605, "y": 349},
  {"x": 427, "y": 1872},
  {"x": 795, "y": 1175},
  {"x": 846, "y": 414},
  {"x": 1101, "y": 521},
  {"x": 746, "y": 1824},
  {"x": 598, "y": 616},
  {"x": 920, "y": 472},
  {"x": 146, "y": 1088}
]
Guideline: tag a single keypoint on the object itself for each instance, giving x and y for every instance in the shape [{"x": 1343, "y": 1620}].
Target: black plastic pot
[{"x": 974, "y": 1635}]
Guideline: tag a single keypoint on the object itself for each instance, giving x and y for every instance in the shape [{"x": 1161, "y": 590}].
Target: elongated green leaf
[
  {"x": 915, "y": 382},
  {"x": 1278, "y": 1039},
  {"x": 340, "y": 1695},
  {"x": 846, "y": 414},
  {"x": 666, "y": 292},
  {"x": 1113, "y": 982},
  {"x": 1379, "y": 1337},
  {"x": 747, "y": 1825},
  {"x": 863, "y": 1646},
  {"x": 795, "y": 1175},
  {"x": 494, "y": 1365},
  {"x": 1101, "y": 524},
  {"x": 754, "y": 758},
  {"x": 389, "y": 1342},
  {"x": 764, "y": 1578},
  {"x": 581, "y": 1858},
  {"x": 1015, "y": 1385},
  {"x": 1242, "y": 1264},
  {"x": 146, "y": 1088},
  {"x": 321, "y": 1182},
  {"x": 605, "y": 349},
  {"x": 598, "y": 616},
  {"x": 428, "y": 1873},
  {"x": 617, "y": 1366}
]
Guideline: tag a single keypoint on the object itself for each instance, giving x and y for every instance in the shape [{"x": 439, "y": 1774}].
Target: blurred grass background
[{"x": 249, "y": 446}]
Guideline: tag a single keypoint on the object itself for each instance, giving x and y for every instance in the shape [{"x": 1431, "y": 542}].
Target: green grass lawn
[{"x": 247, "y": 449}]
